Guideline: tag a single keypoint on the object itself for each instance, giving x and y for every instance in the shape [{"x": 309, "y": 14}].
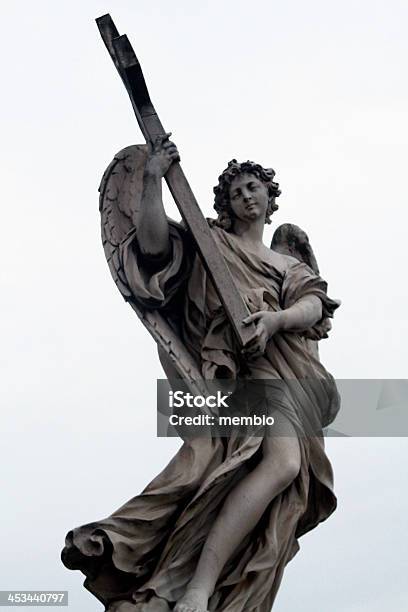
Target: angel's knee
[{"x": 281, "y": 460}]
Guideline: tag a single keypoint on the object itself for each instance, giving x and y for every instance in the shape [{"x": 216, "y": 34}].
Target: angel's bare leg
[{"x": 242, "y": 510}]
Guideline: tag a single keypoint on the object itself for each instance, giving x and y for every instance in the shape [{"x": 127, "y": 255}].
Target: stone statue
[{"x": 215, "y": 530}]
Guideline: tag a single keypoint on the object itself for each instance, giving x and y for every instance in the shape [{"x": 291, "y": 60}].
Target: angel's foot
[{"x": 194, "y": 600}]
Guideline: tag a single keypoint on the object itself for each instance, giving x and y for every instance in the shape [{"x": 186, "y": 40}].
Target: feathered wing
[
  {"x": 289, "y": 239},
  {"x": 119, "y": 204}
]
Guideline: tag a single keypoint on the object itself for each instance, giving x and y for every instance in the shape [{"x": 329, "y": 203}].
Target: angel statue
[{"x": 215, "y": 530}]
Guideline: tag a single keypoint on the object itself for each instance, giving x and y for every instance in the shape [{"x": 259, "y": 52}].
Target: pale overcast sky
[{"x": 317, "y": 89}]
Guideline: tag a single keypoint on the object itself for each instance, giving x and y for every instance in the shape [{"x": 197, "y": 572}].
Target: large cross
[{"x": 130, "y": 71}]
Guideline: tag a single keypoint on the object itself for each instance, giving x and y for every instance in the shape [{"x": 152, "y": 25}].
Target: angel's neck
[{"x": 249, "y": 232}]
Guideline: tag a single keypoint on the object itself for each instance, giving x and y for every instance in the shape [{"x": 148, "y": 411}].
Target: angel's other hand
[
  {"x": 266, "y": 325},
  {"x": 161, "y": 155}
]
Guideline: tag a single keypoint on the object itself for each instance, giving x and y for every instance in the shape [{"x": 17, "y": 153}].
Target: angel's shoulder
[
  {"x": 283, "y": 262},
  {"x": 289, "y": 260}
]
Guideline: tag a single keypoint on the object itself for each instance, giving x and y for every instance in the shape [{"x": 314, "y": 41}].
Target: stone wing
[
  {"x": 290, "y": 239},
  {"x": 119, "y": 204}
]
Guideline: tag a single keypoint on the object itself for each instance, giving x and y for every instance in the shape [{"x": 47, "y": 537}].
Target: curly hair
[{"x": 222, "y": 203}]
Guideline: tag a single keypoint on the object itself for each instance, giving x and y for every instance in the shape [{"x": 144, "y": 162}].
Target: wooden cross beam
[{"x": 130, "y": 71}]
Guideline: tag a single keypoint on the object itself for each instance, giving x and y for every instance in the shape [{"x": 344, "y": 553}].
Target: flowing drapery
[{"x": 146, "y": 552}]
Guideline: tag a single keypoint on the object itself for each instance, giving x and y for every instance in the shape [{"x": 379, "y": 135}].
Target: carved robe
[{"x": 146, "y": 552}]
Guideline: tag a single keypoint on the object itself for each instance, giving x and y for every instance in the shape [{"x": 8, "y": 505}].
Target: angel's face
[{"x": 248, "y": 197}]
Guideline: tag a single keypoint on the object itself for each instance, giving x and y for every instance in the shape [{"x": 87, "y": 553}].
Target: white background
[{"x": 316, "y": 89}]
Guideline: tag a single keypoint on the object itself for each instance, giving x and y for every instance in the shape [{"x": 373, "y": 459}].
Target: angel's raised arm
[{"x": 153, "y": 230}]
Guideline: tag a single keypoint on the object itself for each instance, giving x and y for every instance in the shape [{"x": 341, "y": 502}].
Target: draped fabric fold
[{"x": 145, "y": 553}]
